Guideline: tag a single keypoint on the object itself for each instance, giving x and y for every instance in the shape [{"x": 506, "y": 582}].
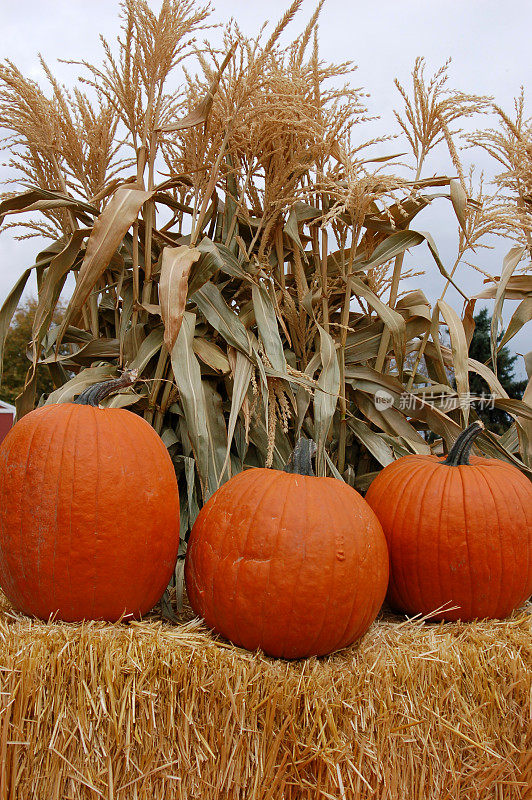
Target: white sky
[{"x": 488, "y": 40}]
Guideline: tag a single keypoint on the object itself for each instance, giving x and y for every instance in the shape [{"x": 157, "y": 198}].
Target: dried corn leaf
[
  {"x": 267, "y": 324},
  {"x": 459, "y": 350},
  {"x": 326, "y": 396},
  {"x": 374, "y": 443},
  {"x": 242, "y": 369},
  {"x": 173, "y": 288},
  {"x": 510, "y": 262},
  {"x": 107, "y": 234},
  {"x": 187, "y": 376},
  {"x": 81, "y": 381},
  {"x": 211, "y": 354},
  {"x": 8, "y": 309},
  {"x": 521, "y": 315},
  {"x": 212, "y": 305}
]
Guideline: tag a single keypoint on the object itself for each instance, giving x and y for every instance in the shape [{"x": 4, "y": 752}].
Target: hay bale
[{"x": 152, "y": 711}]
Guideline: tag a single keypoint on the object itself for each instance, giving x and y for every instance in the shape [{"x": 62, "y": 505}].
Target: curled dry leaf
[
  {"x": 173, "y": 288},
  {"x": 107, "y": 234}
]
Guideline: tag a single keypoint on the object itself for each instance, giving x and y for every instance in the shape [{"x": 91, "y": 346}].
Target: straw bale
[{"x": 151, "y": 711}]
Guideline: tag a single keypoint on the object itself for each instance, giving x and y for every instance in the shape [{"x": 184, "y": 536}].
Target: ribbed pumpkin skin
[
  {"x": 89, "y": 514},
  {"x": 293, "y": 564},
  {"x": 457, "y": 535}
]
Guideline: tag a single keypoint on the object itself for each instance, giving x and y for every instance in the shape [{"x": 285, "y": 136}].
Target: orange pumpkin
[
  {"x": 89, "y": 511},
  {"x": 287, "y": 562},
  {"x": 459, "y": 533}
]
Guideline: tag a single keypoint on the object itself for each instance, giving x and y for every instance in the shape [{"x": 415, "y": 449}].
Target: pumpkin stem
[
  {"x": 300, "y": 462},
  {"x": 461, "y": 450},
  {"x": 93, "y": 395}
]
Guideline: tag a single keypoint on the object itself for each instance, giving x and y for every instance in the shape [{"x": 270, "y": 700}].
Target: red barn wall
[{"x": 6, "y": 423}]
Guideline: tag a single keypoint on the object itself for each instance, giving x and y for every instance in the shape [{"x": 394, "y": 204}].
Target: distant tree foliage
[
  {"x": 16, "y": 363},
  {"x": 495, "y": 419}
]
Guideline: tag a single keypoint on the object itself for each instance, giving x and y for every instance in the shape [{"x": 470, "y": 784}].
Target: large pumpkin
[
  {"x": 89, "y": 511},
  {"x": 459, "y": 533},
  {"x": 290, "y": 563}
]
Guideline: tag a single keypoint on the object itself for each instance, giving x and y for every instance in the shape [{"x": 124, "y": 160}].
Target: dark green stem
[
  {"x": 93, "y": 395},
  {"x": 300, "y": 462},
  {"x": 461, "y": 450}
]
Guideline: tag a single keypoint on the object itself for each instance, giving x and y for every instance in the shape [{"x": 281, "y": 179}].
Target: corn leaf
[
  {"x": 107, "y": 234},
  {"x": 460, "y": 352},
  {"x": 149, "y": 348},
  {"x": 459, "y": 201},
  {"x": 8, "y": 309},
  {"x": 510, "y": 262},
  {"x": 54, "y": 280},
  {"x": 326, "y": 396},
  {"x": 267, "y": 325},
  {"x": 521, "y": 315},
  {"x": 173, "y": 288},
  {"x": 211, "y": 354},
  {"x": 393, "y": 321},
  {"x": 79, "y": 382},
  {"x": 218, "y": 439},
  {"x": 212, "y": 305},
  {"x": 187, "y": 375},
  {"x": 374, "y": 443},
  {"x": 242, "y": 369}
]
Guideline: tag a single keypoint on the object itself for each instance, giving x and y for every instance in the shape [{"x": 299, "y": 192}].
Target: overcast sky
[{"x": 488, "y": 40}]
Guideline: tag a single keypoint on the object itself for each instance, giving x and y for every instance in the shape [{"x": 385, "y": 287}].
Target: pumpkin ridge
[
  {"x": 96, "y": 511},
  {"x": 408, "y": 586},
  {"x": 373, "y": 609},
  {"x": 378, "y": 493},
  {"x": 503, "y": 570},
  {"x": 358, "y": 580},
  {"x": 209, "y": 507},
  {"x": 372, "y": 605},
  {"x": 8, "y": 444},
  {"x": 419, "y": 600},
  {"x": 319, "y": 632},
  {"x": 3, "y": 456},
  {"x": 411, "y": 476},
  {"x": 288, "y": 483},
  {"x": 140, "y": 449},
  {"x": 355, "y": 596},
  {"x": 74, "y": 461},
  {"x": 123, "y": 436},
  {"x": 472, "y": 592},
  {"x": 11, "y": 442},
  {"x": 528, "y": 573},
  {"x": 252, "y": 517},
  {"x": 217, "y": 556},
  {"x": 60, "y": 470},
  {"x": 515, "y": 555},
  {"x": 51, "y": 436},
  {"x": 369, "y": 615},
  {"x": 433, "y": 475}
]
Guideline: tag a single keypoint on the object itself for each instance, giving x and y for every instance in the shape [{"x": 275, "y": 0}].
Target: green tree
[
  {"x": 16, "y": 361},
  {"x": 480, "y": 350}
]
